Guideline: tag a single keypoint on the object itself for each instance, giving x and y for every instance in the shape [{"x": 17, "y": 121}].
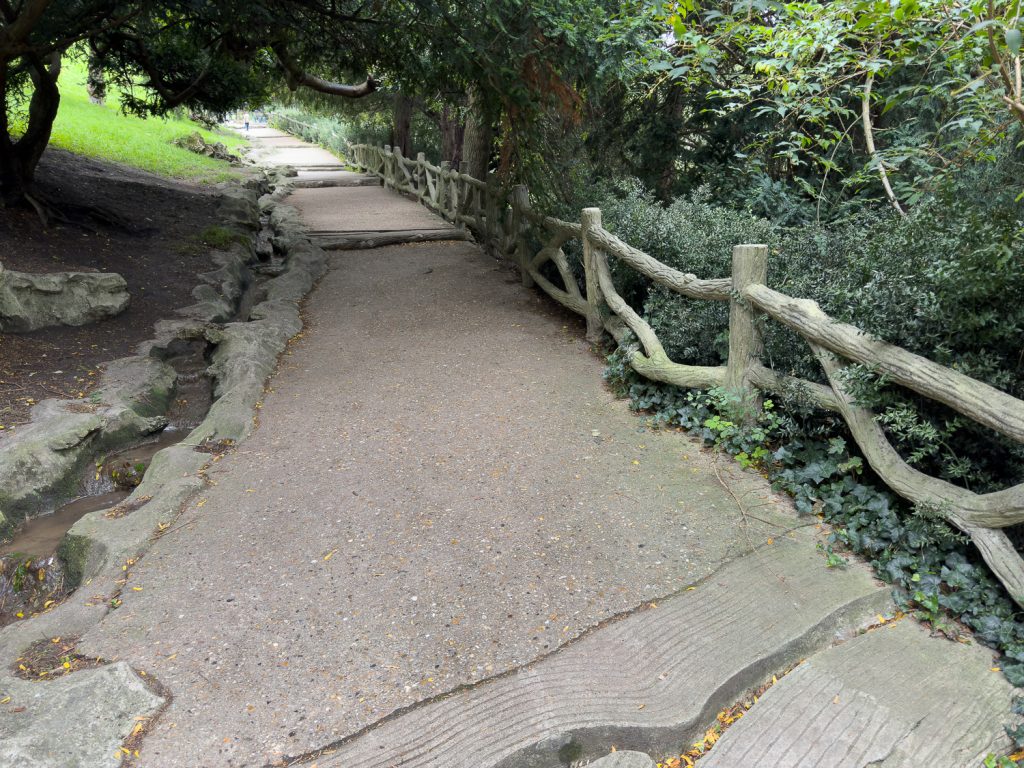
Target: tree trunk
[
  {"x": 18, "y": 159},
  {"x": 401, "y": 128},
  {"x": 96, "y": 81},
  {"x": 452, "y": 134},
  {"x": 478, "y": 140}
]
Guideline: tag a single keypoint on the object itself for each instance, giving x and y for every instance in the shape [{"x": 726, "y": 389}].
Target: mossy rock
[{"x": 74, "y": 553}]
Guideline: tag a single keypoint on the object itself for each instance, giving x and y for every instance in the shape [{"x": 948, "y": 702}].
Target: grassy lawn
[{"x": 104, "y": 132}]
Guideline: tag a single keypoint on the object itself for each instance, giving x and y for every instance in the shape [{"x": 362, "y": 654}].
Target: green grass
[{"x": 103, "y": 132}]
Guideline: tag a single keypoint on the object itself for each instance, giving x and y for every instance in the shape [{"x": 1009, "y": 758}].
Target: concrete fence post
[
  {"x": 445, "y": 187},
  {"x": 591, "y": 220},
  {"x": 421, "y": 176},
  {"x": 749, "y": 266},
  {"x": 520, "y": 204}
]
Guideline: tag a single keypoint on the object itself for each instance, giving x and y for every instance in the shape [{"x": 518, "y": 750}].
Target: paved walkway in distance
[{"x": 441, "y": 491}]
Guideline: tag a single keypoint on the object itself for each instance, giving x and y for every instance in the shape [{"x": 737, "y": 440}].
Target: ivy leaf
[{"x": 1014, "y": 674}]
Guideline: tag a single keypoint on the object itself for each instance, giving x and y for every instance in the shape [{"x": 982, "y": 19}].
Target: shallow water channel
[
  {"x": 107, "y": 486},
  {"x": 116, "y": 474}
]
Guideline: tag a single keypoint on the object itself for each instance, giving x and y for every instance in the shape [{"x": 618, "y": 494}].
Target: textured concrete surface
[
  {"x": 649, "y": 682},
  {"x": 440, "y": 490},
  {"x": 893, "y": 698},
  {"x": 624, "y": 759},
  {"x": 77, "y": 721},
  {"x": 306, "y": 156},
  {"x": 365, "y": 209}
]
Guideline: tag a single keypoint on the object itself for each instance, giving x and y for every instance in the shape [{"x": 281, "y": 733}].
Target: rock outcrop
[{"x": 30, "y": 301}]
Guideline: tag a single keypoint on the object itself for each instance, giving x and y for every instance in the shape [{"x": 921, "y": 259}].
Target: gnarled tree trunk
[
  {"x": 478, "y": 140},
  {"x": 401, "y": 127},
  {"x": 452, "y": 130},
  {"x": 18, "y": 159},
  {"x": 96, "y": 81}
]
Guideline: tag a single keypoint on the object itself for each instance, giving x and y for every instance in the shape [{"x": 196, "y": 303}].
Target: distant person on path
[{"x": 245, "y": 119}]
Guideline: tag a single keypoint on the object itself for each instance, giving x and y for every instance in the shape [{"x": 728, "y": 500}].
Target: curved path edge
[
  {"x": 107, "y": 703},
  {"x": 650, "y": 681}
]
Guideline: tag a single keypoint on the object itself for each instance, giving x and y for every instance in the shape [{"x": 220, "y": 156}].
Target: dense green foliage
[
  {"x": 336, "y": 125},
  {"x": 946, "y": 282}
]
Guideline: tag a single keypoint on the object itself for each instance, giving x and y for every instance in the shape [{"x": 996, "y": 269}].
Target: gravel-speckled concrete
[
  {"x": 274, "y": 147},
  {"x": 366, "y": 209},
  {"x": 440, "y": 490}
]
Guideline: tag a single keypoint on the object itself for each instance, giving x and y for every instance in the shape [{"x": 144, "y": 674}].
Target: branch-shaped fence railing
[{"x": 503, "y": 220}]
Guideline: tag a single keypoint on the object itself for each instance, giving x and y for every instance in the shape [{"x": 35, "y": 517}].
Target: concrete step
[
  {"x": 894, "y": 697},
  {"x": 322, "y": 180},
  {"x": 651, "y": 681}
]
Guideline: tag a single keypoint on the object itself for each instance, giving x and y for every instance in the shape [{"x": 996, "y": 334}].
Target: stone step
[
  {"x": 893, "y": 698},
  {"x": 651, "y": 681}
]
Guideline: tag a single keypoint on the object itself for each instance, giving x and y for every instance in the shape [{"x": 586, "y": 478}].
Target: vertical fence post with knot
[
  {"x": 520, "y": 204},
  {"x": 388, "y": 176},
  {"x": 444, "y": 186},
  {"x": 591, "y": 220},
  {"x": 421, "y": 177},
  {"x": 397, "y": 164},
  {"x": 749, "y": 267}
]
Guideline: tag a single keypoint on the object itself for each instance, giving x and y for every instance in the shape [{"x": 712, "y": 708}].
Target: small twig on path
[
  {"x": 746, "y": 517},
  {"x": 161, "y": 534}
]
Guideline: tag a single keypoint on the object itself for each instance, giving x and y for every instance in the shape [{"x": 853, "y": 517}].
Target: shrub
[{"x": 946, "y": 283}]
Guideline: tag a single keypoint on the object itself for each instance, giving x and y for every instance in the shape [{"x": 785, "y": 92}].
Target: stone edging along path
[{"x": 44, "y": 462}]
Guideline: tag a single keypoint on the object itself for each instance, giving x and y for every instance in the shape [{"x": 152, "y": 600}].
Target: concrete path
[{"x": 415, "y": 556}]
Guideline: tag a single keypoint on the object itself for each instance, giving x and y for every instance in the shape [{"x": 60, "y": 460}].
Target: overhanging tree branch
[
  {"x": 295, "y": 76},
  {"x": 869, "y": 139}
]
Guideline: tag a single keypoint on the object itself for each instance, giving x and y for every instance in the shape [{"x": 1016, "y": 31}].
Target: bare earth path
[{"x": 441, "y": 491}]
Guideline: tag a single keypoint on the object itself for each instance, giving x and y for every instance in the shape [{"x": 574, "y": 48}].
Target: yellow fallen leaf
[
  {"x": 136, "y": 589},
  {"x": 997, "y": 669},
  {"x": 330, "y": 554}
]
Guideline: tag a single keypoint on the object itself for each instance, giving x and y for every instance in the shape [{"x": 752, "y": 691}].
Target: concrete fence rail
[{"x": 504, "y": 221}]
